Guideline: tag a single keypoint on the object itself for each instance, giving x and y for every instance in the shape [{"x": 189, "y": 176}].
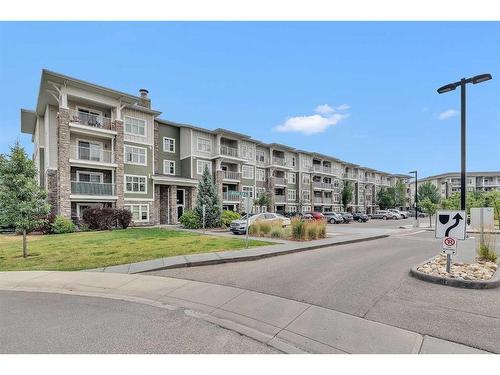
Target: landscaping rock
[{"x": 481, "y": 270}]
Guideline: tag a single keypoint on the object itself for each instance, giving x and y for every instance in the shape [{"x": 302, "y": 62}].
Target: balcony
[
  {"x": 350, "y": 175},
  {"x": 370, "y": 179},
  {"x": 231, "y": 175},
  {"x": 279, "y": 181},
  {"x": 322, "y": 185},
  {"x": 92, "y": 188},
  {"x": 89, "y": 119},
  {"x": 317, "y": 168},
  {"x": 92, "y": 154},
  {"x": 229, "y": 151},
  {"x": 231, "y": 196},
  {"x": 318, "y": 199},
  {"x": 279, "y": 198},
  {"x": 279, "y": 161},
  {"x": 328, "y": 200}
]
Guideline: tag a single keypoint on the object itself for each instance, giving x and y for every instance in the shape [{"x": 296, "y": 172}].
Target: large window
[
  {"x": 135, "y": 155},
  {"x": 135, "y": 184},
  {"x": 94, "y": 177},
  {"x": 135, "y": 126},
  {"x": 306, "y": 195},
  {"x": 204, "y": 145},
  {"x": 169, "y": 167},
  {"x": 140, "y": 212},
  {"x": 260, "y": 156},
  {"x": 89, "y": 150},
  {"x": 291, "y": 178},
  {"x": 292, "y": 195},
  {"x": 247, "y": 172},
  {"x": 201, "y": 164},
  {"x": 248, "y": 190},
  {"x": 260, "y": 174},
  {"x": 168, "y": 144},
  {"x": 306, "y": 179}
]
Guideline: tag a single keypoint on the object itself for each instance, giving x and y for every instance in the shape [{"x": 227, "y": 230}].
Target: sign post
[
  {"x": 204, "y": 207},
  {"x": 450, "y": 226}
]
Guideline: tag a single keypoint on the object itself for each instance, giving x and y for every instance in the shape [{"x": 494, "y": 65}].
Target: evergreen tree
[
  {"x": 428, "y": 190},
  {"x": 386, "y": 198},
  {"x": 347, "y": 193},
  {"x": 23, "y": 202},
  {"x": 208, "y": 196}
]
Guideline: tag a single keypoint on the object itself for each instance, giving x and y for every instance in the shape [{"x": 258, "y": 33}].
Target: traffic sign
[
  {"x": 450, "y": 224},
  {"x": 449, "y": 245}
]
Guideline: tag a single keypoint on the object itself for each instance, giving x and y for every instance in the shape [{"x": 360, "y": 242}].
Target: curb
[
  {"x": 492, "y": 283},
  {"x": 219, "y": 258}
]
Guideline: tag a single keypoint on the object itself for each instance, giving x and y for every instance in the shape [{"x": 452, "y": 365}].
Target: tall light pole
[
  {"x": 416, "y": 196},
  {"x": 450, "y": 87}
]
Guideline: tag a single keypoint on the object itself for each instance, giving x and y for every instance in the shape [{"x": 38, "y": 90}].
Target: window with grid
[
  {"x": 291, "y": 178},
  {"x": 140, "y": 212},
  {"x": 168, "y": 144},
  {"x": 204, "y": 144},
  {"x": 135, "y": 184},
  {"x": 135, "y": 155},
  {"x": 201, "y": 164},
  {"x": 292, "y": 195},
  {"x": 260, "y": 175},
  {"x": 247, "y": 172},
  {"x": 135, "y": 126},
  {"x": 248, "y": 190},
  {"x": 169, "y": 167}
]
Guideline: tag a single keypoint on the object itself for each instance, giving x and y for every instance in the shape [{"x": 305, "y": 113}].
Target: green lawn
[{"x": 84, "y": 250}]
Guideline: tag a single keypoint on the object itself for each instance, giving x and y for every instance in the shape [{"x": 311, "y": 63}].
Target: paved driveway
[{"x": 370, "y": 280}]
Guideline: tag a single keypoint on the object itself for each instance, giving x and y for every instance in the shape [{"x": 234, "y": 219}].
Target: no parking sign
[{"x": 449, "y": 245}]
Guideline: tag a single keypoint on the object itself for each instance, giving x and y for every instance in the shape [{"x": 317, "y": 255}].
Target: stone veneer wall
[
  {"x": 163, "y": 202},
  {"x": 119, "y": 175},
  {"x": 155, "y": 207},
  {"x": 52, "y": 196},
  {"x": 63, "y": 166},
  {"x": 172, "y": 204}
]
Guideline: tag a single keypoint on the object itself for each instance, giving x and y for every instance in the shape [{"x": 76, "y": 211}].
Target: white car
[
  {"x": 240, "y": 226},
  {"x": 402, "y": 214},
  {"x": 385, "y": 214}
]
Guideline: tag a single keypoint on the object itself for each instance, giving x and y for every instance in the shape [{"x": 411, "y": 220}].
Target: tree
[
  {"x": 492, "y": 199},
  {"x": 347, "y": 193},
  {"x": 452, "y": 202},
  {"x": 428, "y": 190},
  {"x": 24, "y": 204},
  {"x": 429, "y": 207},
  {"x": 208, "y": 196},
  {"x": 264, "y": 199},
  {"x": 400, "y": 194},
  {"x": 385, "y": 198}
]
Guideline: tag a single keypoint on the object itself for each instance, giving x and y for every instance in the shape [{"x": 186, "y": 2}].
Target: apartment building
[
  {"x": 449, "y": 183},
  {"x": 95, "y": 147}
]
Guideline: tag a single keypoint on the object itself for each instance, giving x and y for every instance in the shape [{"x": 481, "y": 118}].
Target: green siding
[
  {"x": 140, "y": 170},
  {"x": 185, "y": 167},
  {"x": 174, "y": 133}
]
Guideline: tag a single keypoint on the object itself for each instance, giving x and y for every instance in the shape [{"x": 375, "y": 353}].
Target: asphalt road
[
  {"x": 370, "y": 280},
  {"x": 57, "y": 323}
]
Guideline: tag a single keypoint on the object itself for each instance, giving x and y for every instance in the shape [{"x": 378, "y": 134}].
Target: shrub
[
  {"x": 63, "y": 225},
  {"x": 311, "y": 231},
  {"x": 298, "y": 229},
  {"x": 228, "y": 216},
  {"x": 123, "y": 217},
  {"x": 265, "y": 227},
  {"x": 276, "y": 232},
  {"x": 46, "y": 226},
  {"x": 190, "y": 220},
  {"x": 254, "y": 229},
  {"x": 322, "y": 229},
  {"x": 486, "y": 249},
  {"x": 92, "y": 218}
]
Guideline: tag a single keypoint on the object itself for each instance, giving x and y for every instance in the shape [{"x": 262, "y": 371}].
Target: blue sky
[{"x": 361, "y": 91}]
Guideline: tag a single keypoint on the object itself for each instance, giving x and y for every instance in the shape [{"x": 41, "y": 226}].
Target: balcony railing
[
  {"x": 279, "y": 198},
  {"x": 230, "y": 175},
  {"x": 279, "y": 161},
  {"x": 317, "y": 168},
  {"x": 328, "y": 200},
  {"x": 92, "y": 188},
  {"x": 327, "y": 169},
  {"x": 350, "y": 175},
  {"x": 370, "y": 179},
  {"x": 92, "y": 154},
  {"x": 232, "y": 196},
  {"x": 279, "y": 180},
  {"x": 229, "y": 151},
  {"x": 89, "y": 119},
  {"x": 318, "y": 200}
]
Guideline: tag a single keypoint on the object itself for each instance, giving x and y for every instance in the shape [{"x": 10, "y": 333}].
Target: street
[
  {"x": 369, "y": 280},
  {"x": 58, "y": 323}
]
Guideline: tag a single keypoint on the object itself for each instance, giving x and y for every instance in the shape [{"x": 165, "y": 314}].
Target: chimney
[{"x": 145, "y": 101}]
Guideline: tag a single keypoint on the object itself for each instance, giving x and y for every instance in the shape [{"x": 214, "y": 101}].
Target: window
[
  {"x": 169, "y": 167},
  {"x": 292, "y": 195},
  {"x": 200, "y": 166},
  {"x": 260, "y": 157},
  {"x": 306, "y": 179},
  {"x": 135, "y": 155},
  {"x": 260, "y": 191},
  {"x": 306, "y": 163},
  {"x": 168, "y": 144},
  {"x": 292, "y": 209},
  {"x": 135, "y": 184},
  {"x": 247, "y": 172},
  {"x": 336, "y": 198},
  {"x": 247, "y": 151},
  {"x": 307, "y": 208},
  {"x": 89, "y": 150},
  {"x": 260, "y": 174},
  {"x": 94, "y": 177},
  {"x": 204, "y": 144},
  {"x": 291, "y": 178},
  {"x": 306, "y": 195},
  {"x": 248, "y": 190},
  {"x": 140, "y": 212},
  {"x": 293, "y": 162},
  {"x": 336, "y": 183},
  {"x": 135, "y": 126}
]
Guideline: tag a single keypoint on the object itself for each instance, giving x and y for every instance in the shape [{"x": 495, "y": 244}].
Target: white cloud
[
  {"x": 325, "y": 117},
  {"x": 324, "y": 109},
  {"x": 447, "y": 114},
  {"x": 343, "y": 107}
]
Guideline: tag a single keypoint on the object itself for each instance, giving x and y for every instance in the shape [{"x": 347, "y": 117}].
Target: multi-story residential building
[
  {"x": 94, "y": 146},
  {"x": 449, "y": 183}
]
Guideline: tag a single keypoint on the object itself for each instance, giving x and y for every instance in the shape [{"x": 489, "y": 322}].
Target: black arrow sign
[{"x": 457, "y": 218}]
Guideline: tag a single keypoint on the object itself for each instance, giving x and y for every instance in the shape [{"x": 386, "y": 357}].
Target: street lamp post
[
  {"x": 450, "y": 87},
  {"x": 416, "y": 196}
]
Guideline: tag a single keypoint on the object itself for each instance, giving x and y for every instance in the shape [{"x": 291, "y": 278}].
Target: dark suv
[
  {"x": 359, "y": 216},
  {"x": 346, "y": 216}
]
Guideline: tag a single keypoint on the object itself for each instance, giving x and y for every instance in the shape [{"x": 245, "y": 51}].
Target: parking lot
[{"x": 372, "y": 226}]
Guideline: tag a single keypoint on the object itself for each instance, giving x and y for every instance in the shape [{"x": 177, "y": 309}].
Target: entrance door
[{"x": 181, "y": 199}]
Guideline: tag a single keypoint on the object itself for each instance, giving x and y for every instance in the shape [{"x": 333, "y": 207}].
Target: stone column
[
  {"x": 191, "y": 198},
  {"x": 163, "y": 209},
  {"x": 271, "y": 188},
  {"x": 219, "y": 174},
  {"x": 63, "y": 167},
  {"x": 119, "y": 176},
  {"x": 157, "y": 168},
  {"x": 155, "y": 209},
  {"x": 172, "y": 205},
  {"x": 52, "y": 196}
]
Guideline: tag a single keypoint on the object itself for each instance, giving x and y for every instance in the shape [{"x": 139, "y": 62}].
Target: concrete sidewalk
[
  {"x": 235, "y": 255},
  {"x": 288, "y": 325}
]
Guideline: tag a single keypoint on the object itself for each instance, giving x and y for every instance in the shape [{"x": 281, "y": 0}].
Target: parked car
[
  {"x": 359, "y": 216},
  {"x": 333, "y": 217},
  {"x": 347, "y": 216},
  {"x": 240, "y": 226},
  {"x": 385, "y": 215},
  {"x": 318, "y": 216},
  {"x": 306, "y": 216},
  {"x": 402, "y": 214},
  {"x": 412, "y": 213}
]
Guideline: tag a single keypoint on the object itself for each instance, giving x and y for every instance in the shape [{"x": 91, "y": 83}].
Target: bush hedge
[
  {"x": 190, "y": 220},
  {"x": 228, "y": 216},
  {"x": 106, "y": 218},
  {"x": 63, "y": 225}
]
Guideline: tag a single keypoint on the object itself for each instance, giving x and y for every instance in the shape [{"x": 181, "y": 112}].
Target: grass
[{"x": 84, "y": 250}]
